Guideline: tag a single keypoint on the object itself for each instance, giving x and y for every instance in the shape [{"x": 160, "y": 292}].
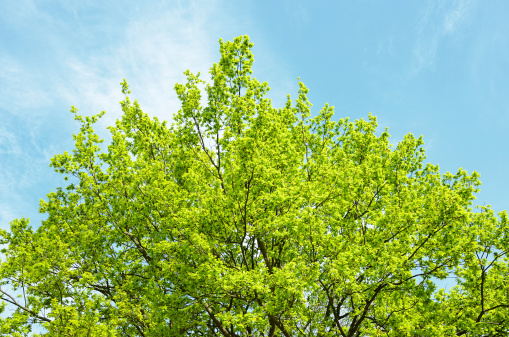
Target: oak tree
[{"x": 241, "y": 219}]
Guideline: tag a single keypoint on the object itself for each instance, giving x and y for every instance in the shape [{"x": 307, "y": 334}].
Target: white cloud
[
  {"x": 153, "y": 50},
  {"x": 21, "y": 88},
  {"x": 158, "y": 56},
  {"x": 15, "y": 12},
  {"x": 152, "y": 54},
  {"x": 8, "y": 142},
  {"x": 437, "y": 20},
  {"x": 454, "y": 17}
]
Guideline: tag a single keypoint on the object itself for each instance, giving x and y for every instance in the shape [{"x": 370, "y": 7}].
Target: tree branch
[{"x": 13, "y": 301}]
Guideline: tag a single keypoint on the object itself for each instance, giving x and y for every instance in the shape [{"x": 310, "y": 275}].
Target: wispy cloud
[
  {"x": 438, "y": 20},
  {"x": 454, "y": 17},
  {"x": 15, "y": 12},
  {"x": 21, "y": 88},
  {"x": 152, "y": 53}
]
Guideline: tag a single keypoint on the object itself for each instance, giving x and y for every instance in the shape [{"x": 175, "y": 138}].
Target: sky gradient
[{"x": 436, "y": 68}]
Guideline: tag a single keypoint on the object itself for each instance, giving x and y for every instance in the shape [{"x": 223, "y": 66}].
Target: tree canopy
[{"x": 241, "y": 219}]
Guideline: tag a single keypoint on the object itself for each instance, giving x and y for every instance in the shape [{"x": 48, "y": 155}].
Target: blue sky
[{"x": 436, "y": 68}]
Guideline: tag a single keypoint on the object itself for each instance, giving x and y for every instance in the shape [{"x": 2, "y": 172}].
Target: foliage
[{"x": 241, "y": 219}]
